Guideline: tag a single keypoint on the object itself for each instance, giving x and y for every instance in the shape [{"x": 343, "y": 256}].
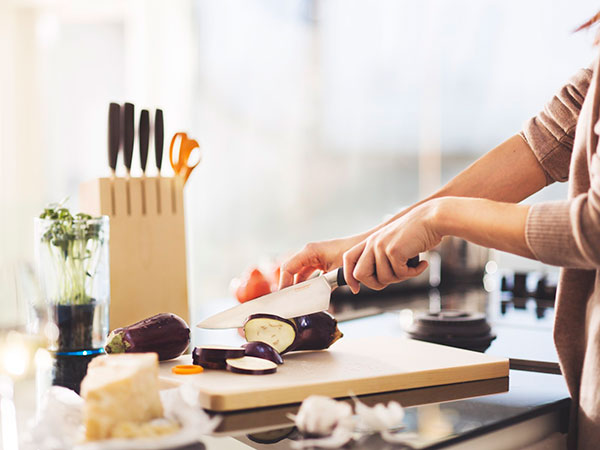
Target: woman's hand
[
  {"x": 325, "y": 255},
  {"x": 380, "y": 259}
]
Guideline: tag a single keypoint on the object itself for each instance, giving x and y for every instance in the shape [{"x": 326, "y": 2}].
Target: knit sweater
[{"x": 564, "y": 138}]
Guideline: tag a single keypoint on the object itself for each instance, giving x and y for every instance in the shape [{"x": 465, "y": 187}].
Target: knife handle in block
[
  {"x": 144, "y": 134},
  {"x": 128, "y": 134},
  {"x": 159, "y": 138},
  {"x": 114, "y": 134}
]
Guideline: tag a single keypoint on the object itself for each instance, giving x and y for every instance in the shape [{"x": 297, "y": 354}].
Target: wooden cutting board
[{"x": 351, "y": 366}]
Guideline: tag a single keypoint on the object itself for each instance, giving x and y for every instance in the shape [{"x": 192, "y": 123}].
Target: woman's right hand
[{"x": 324, "y": 255}]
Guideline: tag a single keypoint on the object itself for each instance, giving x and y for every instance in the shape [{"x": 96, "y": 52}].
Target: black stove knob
[
  {"x": 543, "y": 291},
  {"x": 540, "y": 290},
  {"x": 504, "y": 287},
  {"x": 520, "y": 285}
]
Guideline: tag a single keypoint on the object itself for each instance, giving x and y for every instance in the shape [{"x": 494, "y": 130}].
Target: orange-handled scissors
[{"x": 180, "y": 162}]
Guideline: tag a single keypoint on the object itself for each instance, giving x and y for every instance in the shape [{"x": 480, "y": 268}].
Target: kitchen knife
[
  {"x": 114, "y": 135},
  {"x": 128, "y": 135},
  {"x": 303, "y": 298},
  {"x": 144, "y": 134},
  {"x": 159, "y": 138}
]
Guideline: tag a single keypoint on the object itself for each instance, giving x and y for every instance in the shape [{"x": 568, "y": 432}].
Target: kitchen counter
[
  {"x": 499, "y": 413},
  {"x": 532, "y": 406}
]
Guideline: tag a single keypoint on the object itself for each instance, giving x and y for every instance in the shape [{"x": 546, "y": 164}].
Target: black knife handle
[
  {"x": 413, "y": 262},
  {"x": 114, "y": 134},
  {"x": 128, "y": 133},
  {"x": 144, "y": 133},
  {"x": 159, "y": 137},
  {"x": 341, "y": 281}
]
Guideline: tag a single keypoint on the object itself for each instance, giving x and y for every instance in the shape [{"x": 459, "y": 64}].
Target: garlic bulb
[
  {"x": 321, "y": 415},
  {"x": 379, "y": 417}
]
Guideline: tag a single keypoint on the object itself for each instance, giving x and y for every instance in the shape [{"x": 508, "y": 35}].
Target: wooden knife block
[{"x": 147, "y": 245}]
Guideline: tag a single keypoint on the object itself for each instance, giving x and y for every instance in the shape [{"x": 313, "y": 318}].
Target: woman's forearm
[
  {"x": 485, "y": 222},
  {"x": 508, "y": 173}
]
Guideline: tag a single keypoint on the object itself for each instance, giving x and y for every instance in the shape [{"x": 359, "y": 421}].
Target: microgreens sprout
[{"x": 75, "y": 246}]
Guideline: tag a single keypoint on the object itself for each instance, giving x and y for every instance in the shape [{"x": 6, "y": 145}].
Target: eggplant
[
  {"x": 250, "y": 365},
  {"x": 213, "y": 357},
  {"x": 311, "y": 332},
  {"x": 315, "y": 332},
  {"x": 165, "y": 334},
  {"x": 262, "y": 350},
  {"x": 276, "y": 331}
]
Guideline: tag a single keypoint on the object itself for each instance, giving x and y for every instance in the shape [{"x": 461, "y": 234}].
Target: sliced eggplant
[
  {"x": 262, "y": 350},
  {"x": 222, "y": 365},
  {"x": 165, "y": 334},
  {"x": 315, "y": 332},
  {"x": 213, "y": 357},
  {"x": 251, "y": 365},
  {"x": 276, "y": 331}
]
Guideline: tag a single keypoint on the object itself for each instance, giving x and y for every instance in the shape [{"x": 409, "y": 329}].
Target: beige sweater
[{"x": 564, "y": 138}]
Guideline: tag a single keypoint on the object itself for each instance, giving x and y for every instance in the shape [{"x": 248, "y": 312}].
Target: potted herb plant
[{"x": 72, "y": 255}]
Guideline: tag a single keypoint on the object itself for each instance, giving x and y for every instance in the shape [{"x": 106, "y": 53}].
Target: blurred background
[{"x": 317, "y": 118}]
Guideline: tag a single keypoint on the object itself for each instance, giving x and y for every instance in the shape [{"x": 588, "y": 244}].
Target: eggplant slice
[
  {"x": 276, "y": 331},
  {"x": 315, "y": 331},
  {"x": 250, "y": 365},
  {"x": 262, "y": 350},
  {"x": 213, "y": 357}
]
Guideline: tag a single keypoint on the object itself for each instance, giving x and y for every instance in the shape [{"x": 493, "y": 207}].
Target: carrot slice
[{"x": 186, "y": 369}]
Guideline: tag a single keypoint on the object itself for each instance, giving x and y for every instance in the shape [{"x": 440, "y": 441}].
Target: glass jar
[{"x": 73, "y": 265}]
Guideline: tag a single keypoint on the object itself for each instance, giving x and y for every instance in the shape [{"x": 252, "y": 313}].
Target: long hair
[{"x": 589, "y": 23}]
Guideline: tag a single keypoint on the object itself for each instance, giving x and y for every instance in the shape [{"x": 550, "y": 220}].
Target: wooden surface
[
  {"x": 147, "y": 245},
  {"x": 350, "y": 366},
  {"x": 266, "y": 419}
]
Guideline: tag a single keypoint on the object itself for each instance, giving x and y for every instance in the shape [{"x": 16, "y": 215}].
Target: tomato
[{"x": 253, "y": 284}]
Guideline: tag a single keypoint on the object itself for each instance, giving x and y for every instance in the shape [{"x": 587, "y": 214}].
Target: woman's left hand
[{"x": 381, "y": 259}]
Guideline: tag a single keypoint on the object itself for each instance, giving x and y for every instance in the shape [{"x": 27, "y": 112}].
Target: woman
[{"x": 480, "y": 205}]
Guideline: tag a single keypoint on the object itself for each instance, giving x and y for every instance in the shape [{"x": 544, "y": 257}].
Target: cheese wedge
[{"x": 120, "y": 390}]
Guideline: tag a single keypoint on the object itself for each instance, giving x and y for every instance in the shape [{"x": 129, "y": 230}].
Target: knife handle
[
  {"x": 341, "y": 281},
  {"x": 114, "y": 134},
  {"x": 159, "y": 138},
  {"x": 128, "y": 134},
  {"x": 144, "y": 134},
  {"x": 413, "y": 262}
]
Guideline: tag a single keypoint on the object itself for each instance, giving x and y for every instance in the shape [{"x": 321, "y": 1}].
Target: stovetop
[{"x": 519, "y": 308}]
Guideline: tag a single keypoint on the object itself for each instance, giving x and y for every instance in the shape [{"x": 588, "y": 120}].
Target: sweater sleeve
[
  {"x": 567, "y": 233},
  {"x": 551, "y": 133}
]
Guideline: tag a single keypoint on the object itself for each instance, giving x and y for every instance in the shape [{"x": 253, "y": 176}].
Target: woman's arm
[
  {"x": 508, "y": 173},
  {"x": 381, "y": 258}
]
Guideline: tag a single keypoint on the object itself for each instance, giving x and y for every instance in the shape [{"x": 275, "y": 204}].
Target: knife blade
[
  {"x": 128, "y": 135},
  {"x": 303, "y": 298}
]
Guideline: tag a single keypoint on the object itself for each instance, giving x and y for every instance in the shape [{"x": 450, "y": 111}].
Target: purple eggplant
[
  {"x": 311, "y": 332},
  {"x": 276, "y": 331},
  {"x": 165, "y": 334},
  {"x": 213, "y": 357},
  {"x": 315, "y": 332},
  {"x": 262, "y": 350}
]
